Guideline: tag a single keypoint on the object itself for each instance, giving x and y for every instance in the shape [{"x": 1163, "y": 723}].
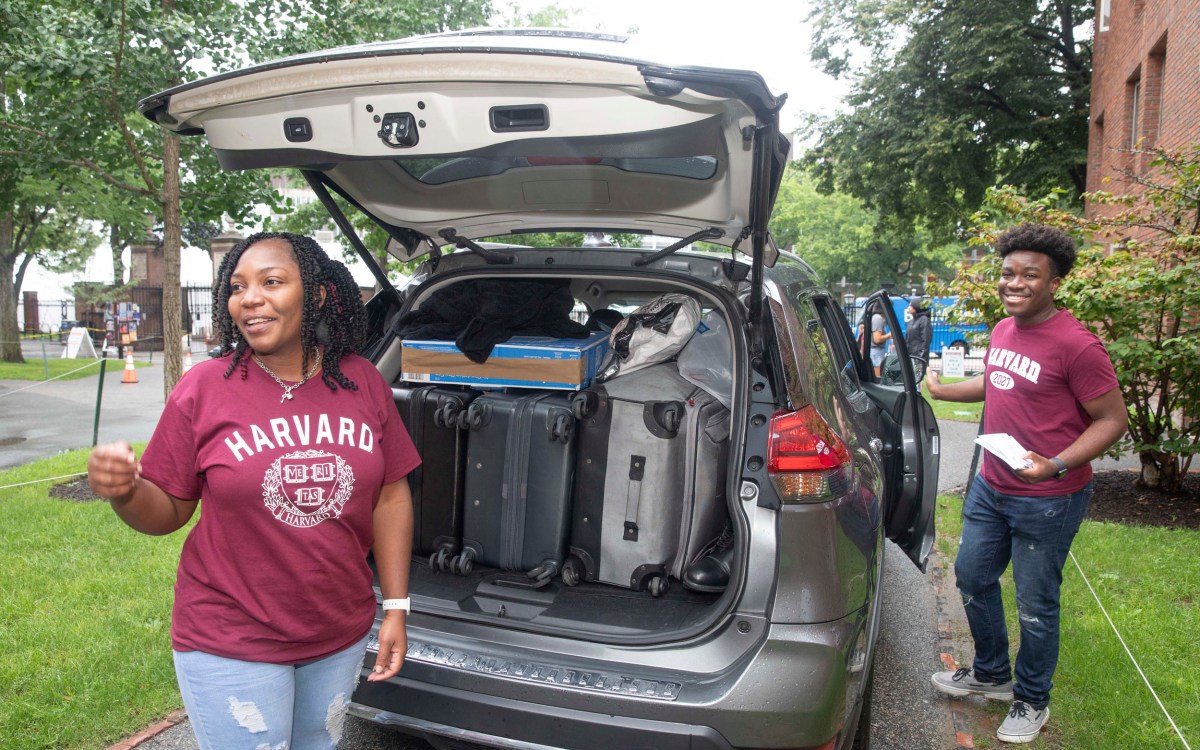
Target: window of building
[
  {"x": 1105, "y": 14},
  {"x": 1134, "y": 91},
  {"x": 1152, "y": 93}
]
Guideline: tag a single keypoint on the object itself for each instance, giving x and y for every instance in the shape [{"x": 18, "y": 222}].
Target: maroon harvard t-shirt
[
  {"x": 1036, "y": 379},
  {"x": 275, "y": 569}
]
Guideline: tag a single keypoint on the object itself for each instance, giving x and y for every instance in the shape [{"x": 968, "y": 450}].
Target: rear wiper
[
  {"x": 711, "y": 233},
  {"x": 493, "y": 257}
]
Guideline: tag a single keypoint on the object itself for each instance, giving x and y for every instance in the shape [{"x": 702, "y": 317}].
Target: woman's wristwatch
[{"x": 404, "y": 604}]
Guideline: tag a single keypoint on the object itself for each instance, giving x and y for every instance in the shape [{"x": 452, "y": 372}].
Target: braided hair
[{"x": 339, "y": 324}]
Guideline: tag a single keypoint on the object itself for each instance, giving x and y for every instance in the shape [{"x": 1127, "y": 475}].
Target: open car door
[{"x": 911, "y": 466}]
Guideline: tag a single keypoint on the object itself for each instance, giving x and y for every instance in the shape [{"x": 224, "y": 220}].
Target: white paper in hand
[{"x": 1006, "y": 448}]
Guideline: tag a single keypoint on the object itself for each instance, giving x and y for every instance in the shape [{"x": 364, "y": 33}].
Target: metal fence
[{"x": 56, "y": 317}]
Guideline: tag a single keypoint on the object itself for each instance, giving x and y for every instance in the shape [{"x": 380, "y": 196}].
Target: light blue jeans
[
  {"x": 239, "y": 704},
  {"x": 1035, "y": 534}
]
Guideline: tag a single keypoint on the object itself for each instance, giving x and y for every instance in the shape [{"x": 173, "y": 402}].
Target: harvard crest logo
[{"x": 304, "y": 488}]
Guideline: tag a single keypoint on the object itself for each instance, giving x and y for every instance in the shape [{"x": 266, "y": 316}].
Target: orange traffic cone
[
  {"x": 187, "y": 359},
  {"x": 130, "y": 374}
]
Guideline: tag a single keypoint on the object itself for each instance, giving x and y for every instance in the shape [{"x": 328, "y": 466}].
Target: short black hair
[
  {"x": 340, "y": 325},
  {"x": 1051, "y": 241}
]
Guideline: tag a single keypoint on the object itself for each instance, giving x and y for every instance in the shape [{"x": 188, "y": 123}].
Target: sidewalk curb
[
  {"x": 963, "y": 735},
  {"x": 172, "y": 719}
]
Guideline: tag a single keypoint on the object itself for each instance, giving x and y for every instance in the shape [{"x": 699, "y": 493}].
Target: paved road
[{"x": 57, "y": 416}]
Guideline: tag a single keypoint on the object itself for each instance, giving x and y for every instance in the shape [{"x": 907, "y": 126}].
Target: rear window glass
[{"x": 441, "y": 170}]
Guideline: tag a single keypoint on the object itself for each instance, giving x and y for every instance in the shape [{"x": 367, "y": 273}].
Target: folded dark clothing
[{"x": 479, "y": 314}]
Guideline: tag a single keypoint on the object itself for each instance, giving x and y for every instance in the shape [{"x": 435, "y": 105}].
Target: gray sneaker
[
  {"x": 962, "y": 682},
  {"x": 1023, "y": 723}
]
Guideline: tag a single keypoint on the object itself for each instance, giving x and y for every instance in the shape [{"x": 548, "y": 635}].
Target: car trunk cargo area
[{"x": 575, "y": 509}]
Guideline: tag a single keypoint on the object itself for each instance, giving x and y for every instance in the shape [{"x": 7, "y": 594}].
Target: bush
[{"x": 1135, "y": 286}]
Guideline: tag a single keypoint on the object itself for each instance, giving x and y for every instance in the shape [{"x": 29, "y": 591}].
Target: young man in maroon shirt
[{"x": 1049, "y": 383}]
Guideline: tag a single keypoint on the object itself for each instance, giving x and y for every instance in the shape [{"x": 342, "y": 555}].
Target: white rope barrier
[
  {"x": 47, "y": 479},
  {"x": 56, "y": 377},
  {"x": 1130, "y": 653}
]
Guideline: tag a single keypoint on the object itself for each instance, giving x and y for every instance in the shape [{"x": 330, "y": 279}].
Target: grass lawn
[
  {"x": 1148, "y": 580},
  {"x": 85, "y": 606},
  {"x": 955, "y": 411},
  {"x": 62, "y": 369}
]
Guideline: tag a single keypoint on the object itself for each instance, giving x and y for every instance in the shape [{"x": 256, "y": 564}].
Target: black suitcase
[
  {"x": 435, "y": 418},
  {"x": 650, "y": 489},
  {"x": 520, "y": 467}
]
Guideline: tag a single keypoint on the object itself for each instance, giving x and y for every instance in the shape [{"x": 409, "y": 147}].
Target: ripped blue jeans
[
  {"x": 242, "y": 705},
  {"x": 1035, "y": 534}
]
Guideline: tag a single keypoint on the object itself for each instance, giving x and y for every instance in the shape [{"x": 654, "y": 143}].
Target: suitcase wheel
[
  {"x": 543, "y": 573},
  {"x": 664, "y": 418},
  {"x": 462, "y": 564},
  {"x": 440, "y": 560},
  {"x": 671, "y": 418},
  {"x": 563, "y": 428},
  {"x": 584, "y": 403},
  {"x": 659, "y": 585},
  {"x": 572, "y": 572},
  {"x": 478, "y": 415},
  {"x": 446, "y": 415}
]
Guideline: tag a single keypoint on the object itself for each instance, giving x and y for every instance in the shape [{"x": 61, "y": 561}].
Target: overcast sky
[{"x": 767, "y": 36}]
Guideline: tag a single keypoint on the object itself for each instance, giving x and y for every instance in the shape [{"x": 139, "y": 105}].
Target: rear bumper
[
  {"x": 790, "y": 689},
  {"x": 508, "y": 723}
]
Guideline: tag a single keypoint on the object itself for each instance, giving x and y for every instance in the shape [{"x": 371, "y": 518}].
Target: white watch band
[{"x": 389, "y": 604}]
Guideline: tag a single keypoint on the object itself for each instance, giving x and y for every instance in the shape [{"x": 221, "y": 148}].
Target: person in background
[
  {"x": 880, "y": 335},
  {"x": 293, "y": 445},
  {"x": 919, "y": 335},
  {"x": 1048, "y": 382}
]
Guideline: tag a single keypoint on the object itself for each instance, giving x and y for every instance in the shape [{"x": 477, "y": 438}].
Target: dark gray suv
[{"x": 488, "y": 155}]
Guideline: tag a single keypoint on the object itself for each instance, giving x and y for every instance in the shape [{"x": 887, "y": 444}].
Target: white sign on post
[
  {"x": 79, "y": 344},
  {"x": 954, "y": 363}
]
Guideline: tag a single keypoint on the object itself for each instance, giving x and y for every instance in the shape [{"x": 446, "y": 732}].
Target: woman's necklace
[{"x": 287, "y": 389}]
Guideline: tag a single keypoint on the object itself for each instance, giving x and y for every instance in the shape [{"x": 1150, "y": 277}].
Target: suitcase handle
[{"x": 633, "y": 497}]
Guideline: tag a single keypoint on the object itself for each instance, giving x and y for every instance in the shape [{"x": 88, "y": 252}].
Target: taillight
[{"x": 807, "y": 462}]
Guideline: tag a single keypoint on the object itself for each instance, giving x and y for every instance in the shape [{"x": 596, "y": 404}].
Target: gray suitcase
[
  {"x": 520, "y": 467},
  {"x": 650, "y": 479},
  {"x": 433, "y": 416}
]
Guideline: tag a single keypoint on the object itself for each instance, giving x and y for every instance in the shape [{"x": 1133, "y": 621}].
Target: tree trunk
[
  {"x": 172, "y": 240},
  {"x": 1160, "y": 471},
  {"x": 116, "y": 246},
  {"x": 10, "y": 332}
]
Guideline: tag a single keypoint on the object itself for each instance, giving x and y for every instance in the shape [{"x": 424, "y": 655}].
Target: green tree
[
  {"x": 322, "y": 24},
  {"x": 75, "y": 70},
  {"x": 841, "y": 238},
  {"x": 40, "y": 225},
  {"x": 952, "y": 97},
  {"x": 1141, "y": 298}
]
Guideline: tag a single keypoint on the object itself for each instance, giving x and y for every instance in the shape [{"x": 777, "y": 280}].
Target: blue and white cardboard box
[{"x": 520, "y": 362}]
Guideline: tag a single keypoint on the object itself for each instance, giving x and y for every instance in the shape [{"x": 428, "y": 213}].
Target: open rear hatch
[{"x": 482, "y": 134}]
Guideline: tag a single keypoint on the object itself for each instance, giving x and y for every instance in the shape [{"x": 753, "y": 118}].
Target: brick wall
[{"x": 1146, "y": 65}]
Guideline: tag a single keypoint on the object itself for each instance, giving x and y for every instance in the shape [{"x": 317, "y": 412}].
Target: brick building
[{"x": 1145, "y": 85}]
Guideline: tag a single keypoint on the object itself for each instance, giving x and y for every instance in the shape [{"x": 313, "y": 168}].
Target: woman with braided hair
[{"x": 292, "y": 443}]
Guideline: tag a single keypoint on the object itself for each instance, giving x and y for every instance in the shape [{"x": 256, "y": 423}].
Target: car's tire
[{"x": 862, "y": 732}]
